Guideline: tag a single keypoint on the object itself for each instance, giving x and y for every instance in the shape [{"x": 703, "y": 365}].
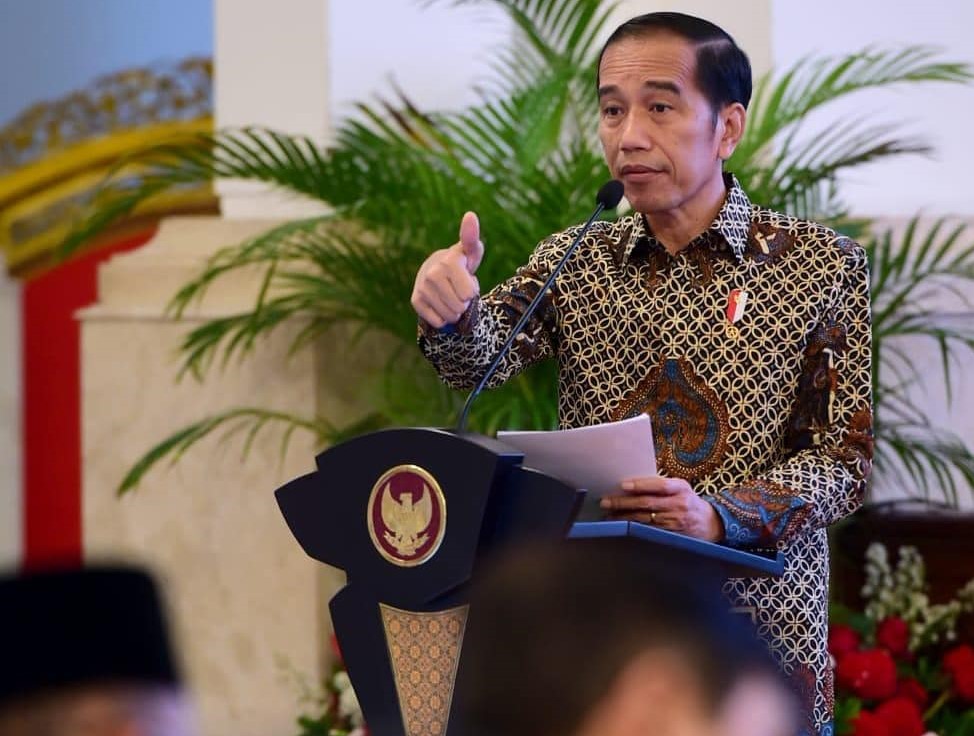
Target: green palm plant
[
  {"x": 527, "y": 159},
  {"x": 921, "y": 283}
]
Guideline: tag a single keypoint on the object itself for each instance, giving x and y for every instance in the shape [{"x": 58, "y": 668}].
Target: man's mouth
[{"x": 639, "y": 172}]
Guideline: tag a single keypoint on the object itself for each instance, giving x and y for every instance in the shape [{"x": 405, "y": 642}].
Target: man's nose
[{"x": 635, "y": 133}]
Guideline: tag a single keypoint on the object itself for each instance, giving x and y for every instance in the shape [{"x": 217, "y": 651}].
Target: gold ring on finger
[{"x": 652, "y": 517}]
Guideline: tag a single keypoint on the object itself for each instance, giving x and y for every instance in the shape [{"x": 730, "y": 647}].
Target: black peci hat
[{"x": 94, "y": 625}]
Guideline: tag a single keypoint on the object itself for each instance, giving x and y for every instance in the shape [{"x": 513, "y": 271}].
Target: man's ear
[{"x": 730, "y": 127}]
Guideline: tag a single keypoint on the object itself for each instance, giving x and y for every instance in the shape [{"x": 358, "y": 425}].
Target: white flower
[{"x": 348, "y": 705}]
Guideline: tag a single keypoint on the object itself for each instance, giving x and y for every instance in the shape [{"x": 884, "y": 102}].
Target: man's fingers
[
  {"x": 463, "y": 286},
  {"x": 448, "y": 307},
  {"x": 473, "y": 248},
  {"x": 426, "y": 312},
  {"x": 434, "y": 312},
  {"x": 655, "y": 484},
  {"x": 630, "y": 503},
  {"x": 453, "y": 289}
]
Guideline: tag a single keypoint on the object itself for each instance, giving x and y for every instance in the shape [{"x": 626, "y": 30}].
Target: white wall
[
  {"x": 10, "y": 470},
  {"x": 437, "y": 55}
]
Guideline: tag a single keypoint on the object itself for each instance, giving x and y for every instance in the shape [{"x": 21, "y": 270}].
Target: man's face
[{"x": 657, "y": 129}]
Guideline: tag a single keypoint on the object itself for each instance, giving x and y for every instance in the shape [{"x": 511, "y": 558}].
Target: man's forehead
[{"x": 656, "y": 58}]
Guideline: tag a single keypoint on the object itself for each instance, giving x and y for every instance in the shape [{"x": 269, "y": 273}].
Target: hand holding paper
[{"x": 616, "y": 461}]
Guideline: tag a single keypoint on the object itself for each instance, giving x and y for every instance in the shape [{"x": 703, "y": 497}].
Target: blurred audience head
[
  {"x": 598, "y": 638},
  {"x": 86, "y": 652}
]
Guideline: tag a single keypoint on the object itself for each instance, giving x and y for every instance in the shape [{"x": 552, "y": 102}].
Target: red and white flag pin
[{"x": 736, "y": 303}]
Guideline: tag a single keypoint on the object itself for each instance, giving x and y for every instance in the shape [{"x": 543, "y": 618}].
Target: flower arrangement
[
  {"x": 900, "y": 669},
  {"x": 331, "y": 708}
]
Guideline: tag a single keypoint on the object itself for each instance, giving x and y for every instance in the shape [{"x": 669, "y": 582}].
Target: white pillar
[
  {"x": 11, "y": 443},
  {"x": 245, "y": 599},
  {"x": 271, "y": 70}
]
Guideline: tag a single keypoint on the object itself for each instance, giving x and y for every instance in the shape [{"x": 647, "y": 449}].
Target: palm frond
[
  {"x": 334, "y": 283},
  {"x": 924, "y": 462},
  {"x": 921, "y": 283},
  {"x": 248, "y": 420},
  {"x": 788, "y": 168},
  {"x": 290, "y": 163},
  {"x": 778, "y": 104}
]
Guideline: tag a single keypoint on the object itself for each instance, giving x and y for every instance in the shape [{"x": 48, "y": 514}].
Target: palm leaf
[
  {"x": 788, "y": 168},
  {"x": 920, "y": 285},
  {"x": 249, "y": 420}
]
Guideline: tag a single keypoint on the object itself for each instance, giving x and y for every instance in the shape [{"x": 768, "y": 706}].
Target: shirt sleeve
[
  {"x": 829, "y": 440},
  {"x": 461, "y": 353}
]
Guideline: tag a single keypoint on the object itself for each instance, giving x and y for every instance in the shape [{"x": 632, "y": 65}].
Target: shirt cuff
[
  {"x": 463, "y": 326},
  {"x": 735, "y": 534}
]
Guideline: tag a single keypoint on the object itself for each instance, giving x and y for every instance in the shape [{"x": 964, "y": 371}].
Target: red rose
[
  {"x": 870, "y": 674},
  {"x": 902, "y": 717},
  {"x": 842, "y": 640},
  {"x": 869, "y": 724},
  {"x": 910, "y": 687},
  {"x": 893, "y": 633},
  {"x": 959, "y": 664}
]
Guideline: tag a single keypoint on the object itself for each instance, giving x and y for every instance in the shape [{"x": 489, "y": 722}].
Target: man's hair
[
  {"x": 63, "y": 628},
  {"x": 552, "y": 626},
  {"x": 723, "y": 70}
]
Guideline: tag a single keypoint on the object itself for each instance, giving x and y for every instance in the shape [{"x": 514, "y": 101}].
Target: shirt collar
[{"x": 731, "y": 226}]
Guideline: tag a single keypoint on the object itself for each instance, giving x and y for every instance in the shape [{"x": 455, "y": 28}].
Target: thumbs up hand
[
  {"x": 473, "y": 249},
  {"x": 445, "y": 284}
]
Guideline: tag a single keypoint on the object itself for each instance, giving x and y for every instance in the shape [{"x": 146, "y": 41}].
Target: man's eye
[
  {"x": 611, "y": 110},
  {"x": 659, "y": 107}
]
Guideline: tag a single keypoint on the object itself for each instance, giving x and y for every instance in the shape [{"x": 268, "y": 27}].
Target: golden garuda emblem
[{"x": 407, "y": 515}]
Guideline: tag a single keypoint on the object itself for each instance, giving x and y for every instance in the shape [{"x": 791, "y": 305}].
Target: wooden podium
[{"x": 409, "y": 514}]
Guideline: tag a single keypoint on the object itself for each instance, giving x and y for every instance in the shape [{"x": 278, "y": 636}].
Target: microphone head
[{"x": 610, "y": 194}]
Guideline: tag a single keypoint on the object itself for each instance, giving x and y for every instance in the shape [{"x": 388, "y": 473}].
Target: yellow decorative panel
[
  {"x": 424, "y": 649},
  {"x": 54, "y": 156}
]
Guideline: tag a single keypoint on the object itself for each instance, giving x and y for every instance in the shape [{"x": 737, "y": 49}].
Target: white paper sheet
[{"x": 596, "y": 458}]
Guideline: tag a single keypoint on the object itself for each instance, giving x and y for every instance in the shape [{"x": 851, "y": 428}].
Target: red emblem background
[{"x": 407, "y": 479}]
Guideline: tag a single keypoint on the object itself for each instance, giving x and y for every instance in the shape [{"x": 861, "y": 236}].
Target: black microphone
[{"x": 607, "y": 199}]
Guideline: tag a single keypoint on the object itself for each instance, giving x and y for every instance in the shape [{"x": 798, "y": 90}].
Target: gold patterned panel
[
  {"x": 54, "y": 155},
  {"x": 424, "y": 649}
]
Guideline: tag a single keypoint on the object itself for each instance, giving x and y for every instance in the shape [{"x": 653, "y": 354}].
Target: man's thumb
[{"x": 473, "y": 248}]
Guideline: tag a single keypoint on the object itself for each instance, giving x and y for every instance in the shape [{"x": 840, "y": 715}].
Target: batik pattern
[
  {"x": 691, "y": 426},
  {"x": 769, "y": 421}
]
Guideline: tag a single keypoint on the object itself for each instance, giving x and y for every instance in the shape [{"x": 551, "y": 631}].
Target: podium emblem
[{"x": 406, "y": 515}]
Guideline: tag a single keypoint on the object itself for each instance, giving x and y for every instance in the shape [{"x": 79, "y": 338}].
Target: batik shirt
[{"x": 768, "y": 417}]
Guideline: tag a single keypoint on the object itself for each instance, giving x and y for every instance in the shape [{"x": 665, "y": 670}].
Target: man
[
  {"x": 86, "y": 653},
  {"x": 743, "y": 333},
  {"x": 556, "y": 647}
]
